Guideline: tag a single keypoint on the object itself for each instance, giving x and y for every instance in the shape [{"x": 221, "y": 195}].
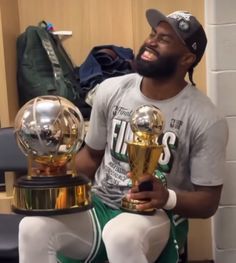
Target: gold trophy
[
  {"x": 50, "y": 131},
  {"x": 147, "y": 123}
]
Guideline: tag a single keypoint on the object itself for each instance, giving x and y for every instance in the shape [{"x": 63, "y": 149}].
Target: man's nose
[{"x": 152, "y": 41}]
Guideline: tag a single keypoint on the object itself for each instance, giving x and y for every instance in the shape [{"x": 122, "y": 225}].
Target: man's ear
[{"x": 188, "y": 59}]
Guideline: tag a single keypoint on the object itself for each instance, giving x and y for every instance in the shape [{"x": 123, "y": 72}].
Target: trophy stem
[
  {"x": 30, "y": 165},
  {"x": 73, "y": 164}
]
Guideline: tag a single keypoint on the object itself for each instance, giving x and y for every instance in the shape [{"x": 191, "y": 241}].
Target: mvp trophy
[
  {"x": 147, "y": 123},
  {"x": 50, "y": 131}
]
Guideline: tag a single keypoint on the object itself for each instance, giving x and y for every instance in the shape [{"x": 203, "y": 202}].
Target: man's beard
[{"x": 164, "y": 67}]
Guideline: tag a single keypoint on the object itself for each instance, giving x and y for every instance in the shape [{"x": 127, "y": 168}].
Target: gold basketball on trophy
[
  {"x": 147, "y": 123},
  {"x": 50, "y": 131}
]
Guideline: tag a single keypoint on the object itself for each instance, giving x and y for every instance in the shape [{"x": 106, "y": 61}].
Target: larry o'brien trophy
[
  {"x": 147, "y": 123},
  {"x": 50, "y": 131}
]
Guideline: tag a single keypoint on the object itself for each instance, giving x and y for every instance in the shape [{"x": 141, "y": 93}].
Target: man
[{"x": 195, "y": 138}]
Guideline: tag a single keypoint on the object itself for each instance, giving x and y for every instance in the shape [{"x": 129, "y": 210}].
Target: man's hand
[
  {"x": 202, "y": 202},
  {"x": 151, "y": 189}
]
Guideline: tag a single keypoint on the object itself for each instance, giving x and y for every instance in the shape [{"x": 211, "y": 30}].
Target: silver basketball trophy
[
  {"x": 50, "y": 131},
  {"x": 147, "y": 123}
]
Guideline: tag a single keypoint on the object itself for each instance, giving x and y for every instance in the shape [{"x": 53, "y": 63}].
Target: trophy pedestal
[
  {"x": 51, "y": 195},
  {"x": 130, "y": 206}
]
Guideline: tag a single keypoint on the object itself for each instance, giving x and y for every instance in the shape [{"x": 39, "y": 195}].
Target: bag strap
[
  {"x": 47, "y": 45},
  {"x": 48, "y": 27},
  {"x": 44, "y": 36}
]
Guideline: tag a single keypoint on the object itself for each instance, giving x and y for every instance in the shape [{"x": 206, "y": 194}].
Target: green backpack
[{"x": 43, "y": 66}]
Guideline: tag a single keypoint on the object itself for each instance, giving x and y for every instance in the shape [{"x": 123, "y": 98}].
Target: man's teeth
[{"x": 149, "y": 54}]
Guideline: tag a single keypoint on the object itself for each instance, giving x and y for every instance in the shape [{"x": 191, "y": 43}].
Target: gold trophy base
[
  {"x": 130, "y": 206},
  {"x": 51, "y": 195}
]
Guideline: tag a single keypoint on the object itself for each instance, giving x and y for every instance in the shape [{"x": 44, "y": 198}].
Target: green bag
[{"x": 43, "y": 66}]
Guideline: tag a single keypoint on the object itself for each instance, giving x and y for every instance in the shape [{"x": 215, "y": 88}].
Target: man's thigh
[{"x": 148, "y": 232}]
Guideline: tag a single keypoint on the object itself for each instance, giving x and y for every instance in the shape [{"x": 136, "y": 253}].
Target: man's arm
[
  {"x": 88, "y": 161},
  {"x": 201, "y": 203},
  {"x": 207, "y": 164}
]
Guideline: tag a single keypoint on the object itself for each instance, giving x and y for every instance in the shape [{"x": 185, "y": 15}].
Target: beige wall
[
  {"x": 9, "y": 29},
  {"x": 93, "y": 22},
  {"x": 97, "y": 22}
]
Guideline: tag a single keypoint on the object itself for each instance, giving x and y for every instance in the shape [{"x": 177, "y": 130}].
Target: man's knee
[
  {"x": 33, "y": 227},
  {"x": 118, "y": 236},
  {"x": 27, "y": 227}
]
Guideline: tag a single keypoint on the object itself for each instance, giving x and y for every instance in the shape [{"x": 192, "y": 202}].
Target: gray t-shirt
[{"x": 195, "y": 137}]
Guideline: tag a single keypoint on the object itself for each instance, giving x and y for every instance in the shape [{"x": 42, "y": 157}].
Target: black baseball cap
[{"x": 187, "y": 28}]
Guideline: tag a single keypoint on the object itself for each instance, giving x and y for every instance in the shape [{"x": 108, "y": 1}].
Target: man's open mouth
[{"x": 149, "y": 54}]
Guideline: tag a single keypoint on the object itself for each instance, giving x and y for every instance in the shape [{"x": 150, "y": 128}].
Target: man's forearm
[
  {"x": 201, "y": 203},
  {"x": 88, "y": 161}
]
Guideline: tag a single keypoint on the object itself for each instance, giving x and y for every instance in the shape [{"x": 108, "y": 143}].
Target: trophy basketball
[
  {"x": 50, "y": 130},
  {"x": 147, "y": 123}
]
